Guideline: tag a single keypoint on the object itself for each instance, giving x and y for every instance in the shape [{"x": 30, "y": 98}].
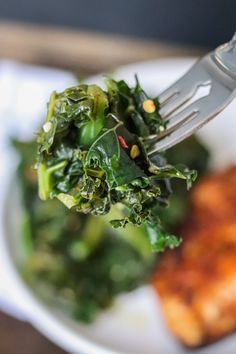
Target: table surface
[
  {"x": 86, "y": 52},
  {"x": 20, "y": 337},
  {"x": 73, "y": 50}
]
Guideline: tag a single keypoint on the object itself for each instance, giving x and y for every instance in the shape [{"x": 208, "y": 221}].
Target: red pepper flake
[{"x": 122, "y": 142}]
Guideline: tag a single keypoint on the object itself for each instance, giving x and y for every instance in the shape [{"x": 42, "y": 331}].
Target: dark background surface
[
  {"x": 200, "y": 22},
  {"x": 18, "y": 337}
]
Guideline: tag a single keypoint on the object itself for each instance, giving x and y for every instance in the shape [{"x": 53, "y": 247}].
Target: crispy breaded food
[
  {"x": 196, "y": 283},
  {"x": 213, "y": 200}
]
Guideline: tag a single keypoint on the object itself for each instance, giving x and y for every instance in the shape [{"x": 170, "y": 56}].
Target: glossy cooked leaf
[
  {"x": 92, "y": 155},
  {"x": 107, "y": 154},
  {"x": 78, "y": 259}
]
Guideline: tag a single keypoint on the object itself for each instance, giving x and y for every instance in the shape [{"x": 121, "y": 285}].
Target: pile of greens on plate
[{"x": 92, "y": 157}]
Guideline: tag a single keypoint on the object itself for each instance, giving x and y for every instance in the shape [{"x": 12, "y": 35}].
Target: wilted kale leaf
[{"x": 92, "y": 156}]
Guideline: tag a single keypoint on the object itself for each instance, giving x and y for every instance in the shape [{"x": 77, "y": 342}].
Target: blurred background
[
  {"x": 72, "y": 33},
  {"x": 92, "y": 36},
  {"x": 202, "y": 22}
]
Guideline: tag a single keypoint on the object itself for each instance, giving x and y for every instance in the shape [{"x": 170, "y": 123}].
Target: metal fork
[{"x": 181, "y": 113}]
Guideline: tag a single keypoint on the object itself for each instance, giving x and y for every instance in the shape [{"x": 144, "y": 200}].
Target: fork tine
[
  {"x": 216, "y": 69},
  {"x": 173, "y": 90},
  {"x": 187, "y": 113},
  {"x": 183, "y": 89},
  {"x": 205, "y": 108},
  {"x": 177, "y": 101},
  {"x": 188, "y": 91},
  {"x": 177, "y": 86},
  {"x": 178, "y": 121}
]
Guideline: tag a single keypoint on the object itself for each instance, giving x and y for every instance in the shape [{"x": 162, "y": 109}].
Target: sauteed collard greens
[
  {"x": 92, "y": 156},
  {"x": 79, "y": 261}
]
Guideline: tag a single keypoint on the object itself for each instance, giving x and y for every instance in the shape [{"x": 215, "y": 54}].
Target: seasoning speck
[
  {"x": 134, "y": 152},
  {"x": 149, "y": 106},
  {"x": 47, "y": 127},
  {"x": 152, "y": 169}
]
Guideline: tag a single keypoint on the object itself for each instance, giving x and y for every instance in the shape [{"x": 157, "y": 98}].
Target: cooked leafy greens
[
  {"x": 78, "y": 262},
  {"x": 93, "y": 157}
]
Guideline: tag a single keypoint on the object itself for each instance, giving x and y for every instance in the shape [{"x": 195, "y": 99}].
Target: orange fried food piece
[
  {"x": 214, "y": 198},
  {"x": 196, "y": 283}
]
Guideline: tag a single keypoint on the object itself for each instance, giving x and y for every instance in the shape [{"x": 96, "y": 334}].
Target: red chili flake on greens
[{"x": 122, "y": 142}]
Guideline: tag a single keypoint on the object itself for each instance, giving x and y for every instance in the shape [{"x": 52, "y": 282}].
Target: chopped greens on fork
[{"x": 93, "y": 157}]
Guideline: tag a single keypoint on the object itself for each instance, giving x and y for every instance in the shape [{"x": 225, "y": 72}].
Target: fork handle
[{"x": 225, "y": 57}]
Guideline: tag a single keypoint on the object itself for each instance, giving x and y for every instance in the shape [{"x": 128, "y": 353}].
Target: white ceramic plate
[{"x": 134, "y": 325}]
